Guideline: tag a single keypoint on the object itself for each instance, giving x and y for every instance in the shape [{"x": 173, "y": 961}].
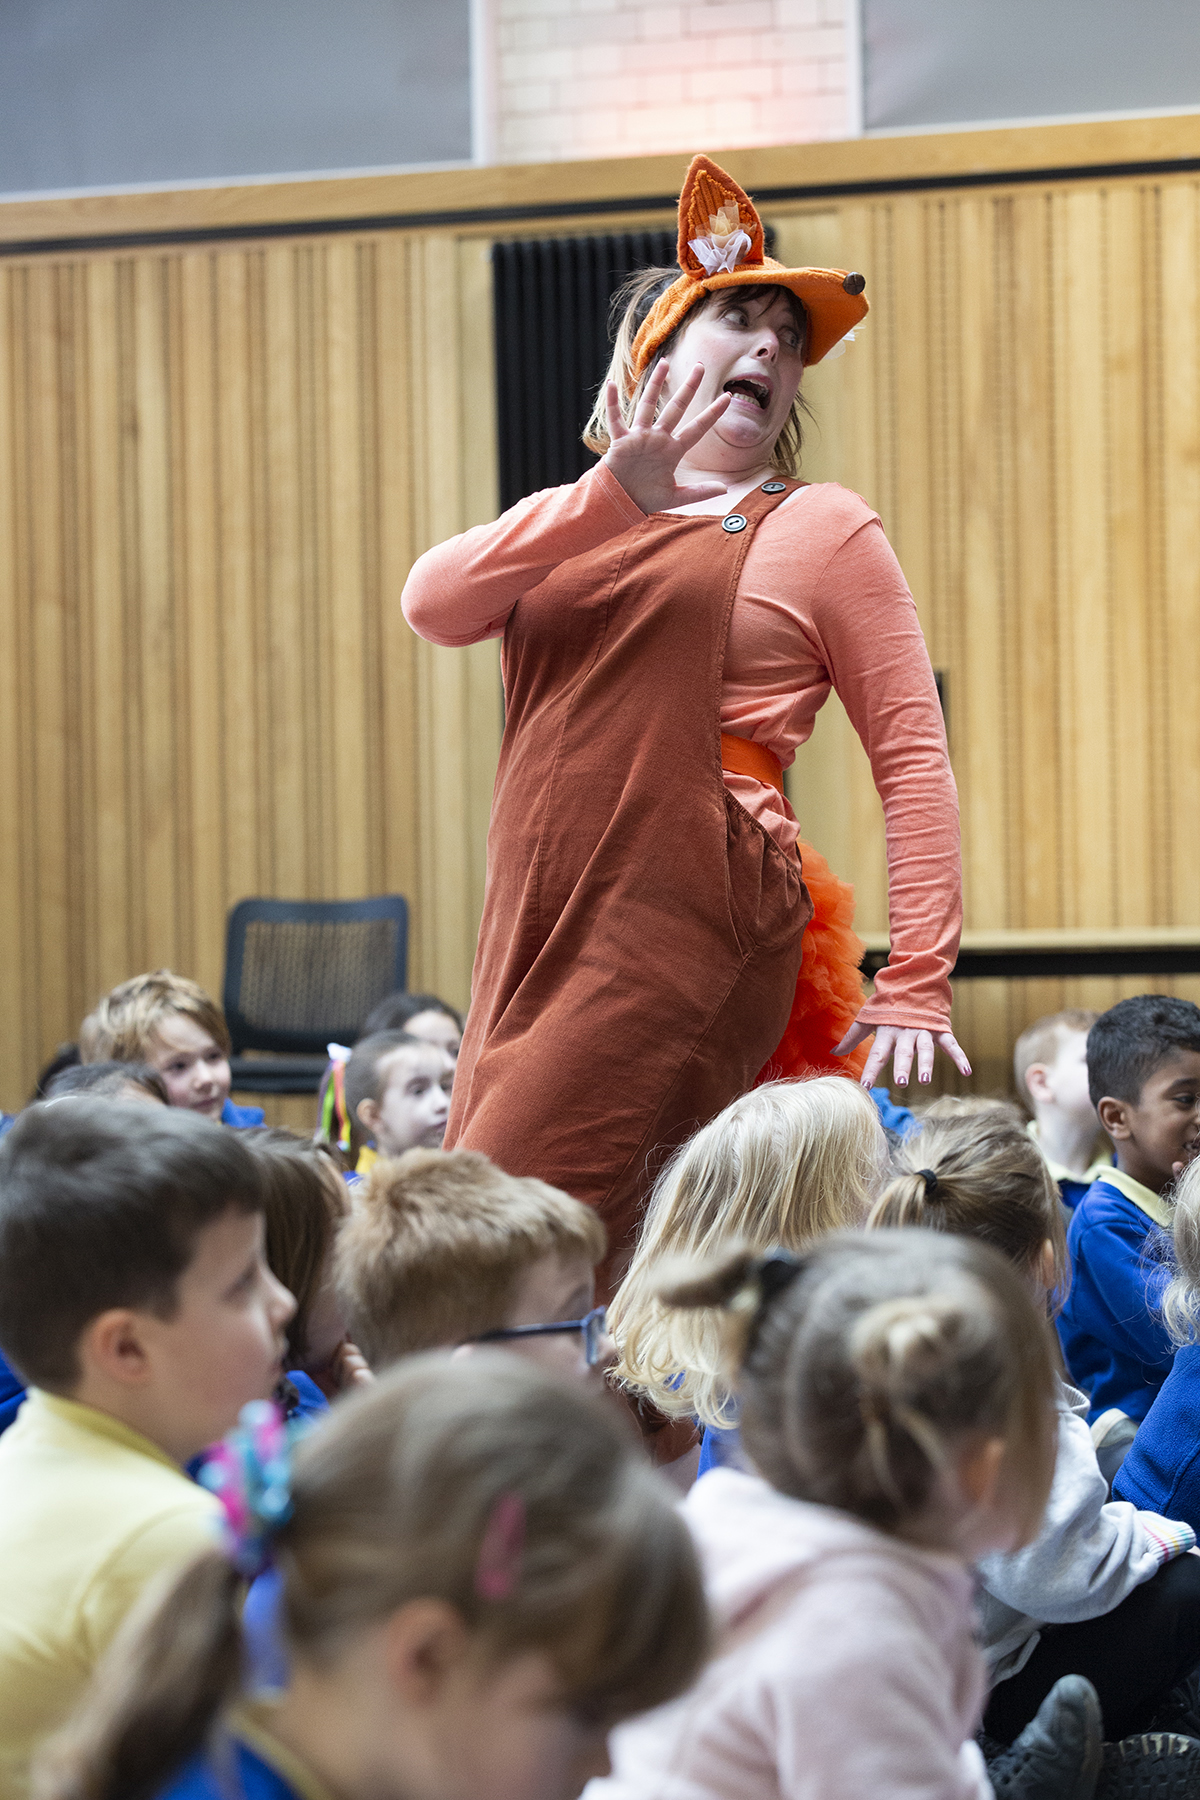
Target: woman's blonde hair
[
  {"x": 394, "y": 1496},
  {"x": 630, "y": 304},
  {"x": 864, "y": 1362},
  {"x": 1181, "y": 1302},
  {"x": 782, "y": 1165},
  {"x": 973, "y": 1170}
]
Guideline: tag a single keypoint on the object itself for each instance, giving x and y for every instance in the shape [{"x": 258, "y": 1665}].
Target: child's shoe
[
  {"x": 1180, "y": 1711},
  {"x": 1159, "y": 1765},
  {"x": 1057, "y": 1756}
]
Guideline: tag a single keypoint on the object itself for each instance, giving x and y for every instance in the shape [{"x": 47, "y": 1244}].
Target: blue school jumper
[
  {"x": 1071, "y": 1188},
  {"x": 1161, "y": 1472},
  {"x": 241, "y": 1117},
  {"x": 1113, "y": 1338},
  {"x": 899, "y": 1120},
  {"x": 12, "y": 1392},
  {"x": 244, "y": 1763}
]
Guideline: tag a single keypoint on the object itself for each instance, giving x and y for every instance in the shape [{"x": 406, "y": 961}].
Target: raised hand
[
  {"x": 901, "y": 1044},
  {"x": 645, "y": 454}
]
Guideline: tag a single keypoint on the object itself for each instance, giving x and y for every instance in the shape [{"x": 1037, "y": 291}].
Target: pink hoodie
[{"x": 844, "y": 1668}]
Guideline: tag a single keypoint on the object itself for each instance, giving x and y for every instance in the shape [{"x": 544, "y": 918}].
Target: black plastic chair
[{"x": 300, "y": 974}]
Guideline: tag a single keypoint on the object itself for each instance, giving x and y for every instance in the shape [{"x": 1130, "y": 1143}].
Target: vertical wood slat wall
[
  {"x": 217, "y": 463},
  {"x": 216, "y": 467},
  {"x": 1023, "y": 408}
]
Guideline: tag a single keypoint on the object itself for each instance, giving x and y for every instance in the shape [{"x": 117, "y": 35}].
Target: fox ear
[{"x": 707, "y": 190}]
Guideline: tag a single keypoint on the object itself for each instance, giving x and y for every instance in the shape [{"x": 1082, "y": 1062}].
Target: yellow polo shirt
[{"x": 90, "y": 1512}]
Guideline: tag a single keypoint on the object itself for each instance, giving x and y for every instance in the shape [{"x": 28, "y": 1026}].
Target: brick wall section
[{"x": 586, "y": 78}]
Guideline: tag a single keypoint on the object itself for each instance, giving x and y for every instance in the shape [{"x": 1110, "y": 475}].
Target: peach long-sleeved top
[{"x": 821, "y": 604}]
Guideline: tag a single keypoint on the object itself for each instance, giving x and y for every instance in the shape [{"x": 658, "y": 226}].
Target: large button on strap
[
  {"x": 734, "y": 522},
  {"x": 773, "y": 487}
]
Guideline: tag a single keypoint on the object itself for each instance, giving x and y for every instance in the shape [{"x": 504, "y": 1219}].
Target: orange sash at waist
[{"x": 742, "y": 756}]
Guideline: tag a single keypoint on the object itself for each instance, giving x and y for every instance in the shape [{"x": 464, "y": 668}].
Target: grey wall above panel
[
  {"x": 947, "y": 62},
  {"x": 100, "y": 93}
]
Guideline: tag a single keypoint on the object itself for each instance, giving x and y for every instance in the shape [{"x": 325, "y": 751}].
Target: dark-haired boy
[
  {"x": 136, "y": 1303},
  {"x": 1144, "y": 1079}
]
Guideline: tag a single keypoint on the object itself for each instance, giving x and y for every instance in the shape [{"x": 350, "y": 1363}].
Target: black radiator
[{"x": 552, "y": 298}]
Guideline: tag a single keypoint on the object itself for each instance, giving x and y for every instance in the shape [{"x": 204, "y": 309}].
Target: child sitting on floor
[
  {"x": 1162, "y": 1469},
  {"x": 172, "y": 1024},
  {"x": 778, "y": 1168},
  {"x": 1121, "y": 1598},
  {"x": 1051, "y": 1072},
  {"x": 397, "y": 1096},
  {"x": 480, "y": 1578},
  {"x": 442, "y": 1249},
  {"x": 135, "y": 1301},
  {"x": 421, "y": 1016},
  {"x": 304, "y": 1203},
  {"x": 1144, "y": 1079},
  {"x": 898, "y": 1403}
]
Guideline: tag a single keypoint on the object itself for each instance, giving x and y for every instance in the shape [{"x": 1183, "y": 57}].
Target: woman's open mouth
[{"x": 758, "y": 391}]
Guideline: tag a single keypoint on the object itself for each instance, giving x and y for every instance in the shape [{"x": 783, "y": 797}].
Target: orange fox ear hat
[{"x": 721, "y": 245}]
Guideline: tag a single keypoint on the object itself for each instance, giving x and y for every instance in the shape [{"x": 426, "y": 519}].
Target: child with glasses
[{"x": 443, "y": 1250}]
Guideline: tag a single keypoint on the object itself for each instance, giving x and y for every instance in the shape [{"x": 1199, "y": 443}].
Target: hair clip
[
  {"x": 929, "y": 1176},
  {"x": 250, "y": 1472},
  {"x": 498, "y": 1566}
]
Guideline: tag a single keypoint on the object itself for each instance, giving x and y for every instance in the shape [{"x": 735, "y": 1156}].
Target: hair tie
[
  {"x": 250, "y": 1472},
  {"x": 498, "y": 1565},
  {"x": 930, "y": 1179}
]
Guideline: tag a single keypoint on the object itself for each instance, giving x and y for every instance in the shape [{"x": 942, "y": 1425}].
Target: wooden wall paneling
[
  {"x": 1128, "y": 296},
  {"x": 398, "y": 689},
  {"x": 1035, "y": 609},
  {"x": 16, "y": 1049},
  {"x": 1090, "y": 846},
  {"x": 1179, "y": 373}
]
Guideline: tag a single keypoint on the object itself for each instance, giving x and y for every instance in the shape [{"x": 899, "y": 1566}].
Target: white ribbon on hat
[
  {"x": 839, "y": 349},
  {"x": 720, "y": 255}
]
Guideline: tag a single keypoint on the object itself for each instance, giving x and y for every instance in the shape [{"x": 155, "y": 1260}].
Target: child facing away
[
  {"x": 1050, "y": 1069},
  {"x": 136, "y": 1303},
  {"x": 304, "y": 1203},
  {"x": 898, "y": 1405},
  {"x": 480, "y": 1578},
  {"x": 1121, "y": 1600},
  {"x": 1162, "y": 1468},
  {"x": 397, "y": 1096},
  {"x": 1144, "y": 1078},
  {"x": 442, "y": 1249},
  {"x": 171, "y": 1023},
  {"x": 780, "y": 1167}
]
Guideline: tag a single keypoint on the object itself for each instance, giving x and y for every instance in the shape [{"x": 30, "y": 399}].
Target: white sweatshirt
[
  {"x": 1090, "y": 1553},
  {"x": 844, "y": 1666}
]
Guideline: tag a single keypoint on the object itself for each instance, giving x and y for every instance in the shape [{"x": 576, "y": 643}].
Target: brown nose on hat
[{"x": 721, "y": 245}]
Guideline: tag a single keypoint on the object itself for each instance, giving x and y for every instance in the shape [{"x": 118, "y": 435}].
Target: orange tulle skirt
[{"x": 829, "y": 991}]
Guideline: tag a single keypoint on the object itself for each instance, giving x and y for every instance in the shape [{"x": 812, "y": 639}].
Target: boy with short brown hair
[
  {"x": 443, "y": 1249},
  {"x": 172, "y": 1024},
  {"x": 136, "y": 1302}
]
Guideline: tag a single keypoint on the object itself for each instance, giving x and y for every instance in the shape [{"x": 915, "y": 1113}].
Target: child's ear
[
  {"x": 425, "y": 1642},
  {"x": 113, "y": 1346},
  {"x": 979, "y": 1470},
  {"x": 367, "y": 1114},
  {"x": 1114, "y": 1116},
  {"x": 1036, "y": 1080}
]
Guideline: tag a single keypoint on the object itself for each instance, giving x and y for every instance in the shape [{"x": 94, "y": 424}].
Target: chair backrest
[{"x": 300, "y": 973}]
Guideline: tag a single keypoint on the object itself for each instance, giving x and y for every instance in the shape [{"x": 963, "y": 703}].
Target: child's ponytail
[
  {"x": 865, "y": 1360},
  {"x": 173, "y": 1667},
  {"x": 973, "y": 1170}
]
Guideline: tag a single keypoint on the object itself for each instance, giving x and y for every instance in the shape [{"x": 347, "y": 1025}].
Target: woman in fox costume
[{"x": 672, "y": 622}]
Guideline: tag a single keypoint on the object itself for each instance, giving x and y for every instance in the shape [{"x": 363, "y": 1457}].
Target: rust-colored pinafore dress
[{"x": 641, "y": 932}]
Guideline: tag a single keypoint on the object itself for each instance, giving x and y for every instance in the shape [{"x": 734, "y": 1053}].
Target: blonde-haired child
[
  {"x": 1113, "y": 1583},
  {"x": 480, "y": 1577},
  {"x": 171, "y": 1023},
  {"x": 782, "y": 1165},
  {"x": 898, "y": 1403}
]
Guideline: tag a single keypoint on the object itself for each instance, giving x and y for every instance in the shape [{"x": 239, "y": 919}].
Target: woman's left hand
[{"x": 900, "y": 1043}]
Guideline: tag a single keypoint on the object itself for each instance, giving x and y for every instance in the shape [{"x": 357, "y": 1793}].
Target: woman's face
[{"x": 751, "y": 349}]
